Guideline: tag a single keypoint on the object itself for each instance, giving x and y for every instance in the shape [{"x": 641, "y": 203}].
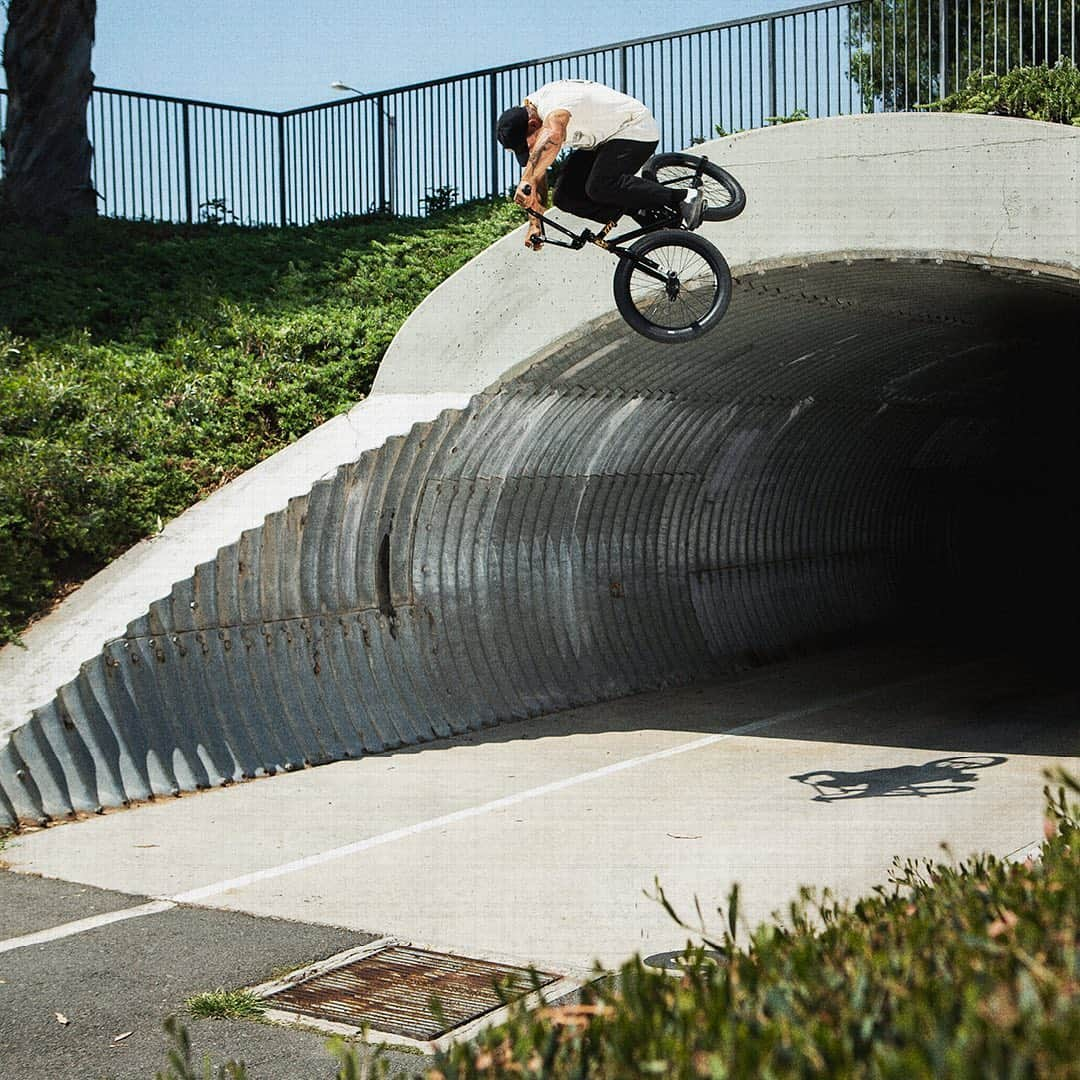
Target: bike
[{"x": 671, "y": 285}]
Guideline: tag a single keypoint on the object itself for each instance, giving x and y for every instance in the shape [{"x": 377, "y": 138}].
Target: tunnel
[{"x": 865, "y": 448}]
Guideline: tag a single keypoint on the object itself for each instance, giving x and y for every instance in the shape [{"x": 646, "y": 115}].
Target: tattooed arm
[{"x": 545, "y": 149}]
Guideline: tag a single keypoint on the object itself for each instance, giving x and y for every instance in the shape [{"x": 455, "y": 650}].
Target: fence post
[
  {"x": 187, "y": 163},
  {"x": 772, "y": 67},
  {"x": 622, "y": 69},
  {"x": 493, "y": 100},
  {"x": 382, "y": 154},
  {"x": 282, "y": 188},
  {"x": 941, "y": 48}
]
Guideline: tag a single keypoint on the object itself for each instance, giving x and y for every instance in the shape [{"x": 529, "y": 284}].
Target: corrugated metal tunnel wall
[{"x": 855, "y": 447}]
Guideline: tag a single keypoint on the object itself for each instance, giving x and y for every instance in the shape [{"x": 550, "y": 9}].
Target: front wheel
[
  {"x": 672, "y": 286},
  {"x": 724, "y": 195}
]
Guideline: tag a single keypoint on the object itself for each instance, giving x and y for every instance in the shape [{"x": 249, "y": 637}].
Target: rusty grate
[{"x": 391, "y": 991}]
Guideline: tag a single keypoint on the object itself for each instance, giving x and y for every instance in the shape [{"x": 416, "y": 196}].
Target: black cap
[{"x": 512, "y": 131}]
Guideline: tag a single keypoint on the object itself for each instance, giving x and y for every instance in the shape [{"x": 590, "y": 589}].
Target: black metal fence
[{"x": 174, "y": 159}]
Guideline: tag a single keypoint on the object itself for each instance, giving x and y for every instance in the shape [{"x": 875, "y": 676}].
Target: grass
[
  {"x": 142, "y": 366},
  {"x": 221, "y": 1004}
]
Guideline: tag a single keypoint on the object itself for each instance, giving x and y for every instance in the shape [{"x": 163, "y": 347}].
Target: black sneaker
[{"x": 692, "y": 207}]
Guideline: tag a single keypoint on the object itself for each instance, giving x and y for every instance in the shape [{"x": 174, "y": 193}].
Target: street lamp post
[{"x": 391, "y": 123}]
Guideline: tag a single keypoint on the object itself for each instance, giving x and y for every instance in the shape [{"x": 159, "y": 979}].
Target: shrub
[{"x": 1034, "y": 93}]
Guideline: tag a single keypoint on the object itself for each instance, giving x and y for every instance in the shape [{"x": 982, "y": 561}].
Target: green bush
[
  {"x": 1034, "y": 93},
  {"x": 958, "y": 971},
  {"x": 142, "y": 366}
]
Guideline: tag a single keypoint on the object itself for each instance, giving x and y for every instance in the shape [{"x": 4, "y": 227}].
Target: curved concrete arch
[
  {"x": 537, "y": 508},
  {"x": 987, "y": 189}
]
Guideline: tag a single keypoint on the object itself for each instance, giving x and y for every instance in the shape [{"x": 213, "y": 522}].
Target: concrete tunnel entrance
[{"x": 859, "y": 449}]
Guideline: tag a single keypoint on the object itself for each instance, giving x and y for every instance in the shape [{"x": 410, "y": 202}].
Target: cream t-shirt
[{"x": 597, "y": 113}]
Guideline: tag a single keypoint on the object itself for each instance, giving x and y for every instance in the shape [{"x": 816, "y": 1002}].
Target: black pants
[{"x": 600, "y": 184}]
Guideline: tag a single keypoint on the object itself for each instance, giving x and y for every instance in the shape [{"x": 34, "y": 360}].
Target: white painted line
[
  {"x": 193, "y": 896},
  {"x": 308, "y": 861},
  {"x": 205, "y": 892},
  {"x": 79, "y": 926}
]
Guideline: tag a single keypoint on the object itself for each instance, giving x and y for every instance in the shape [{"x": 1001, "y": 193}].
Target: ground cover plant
[{"x": 142, "y": 366}]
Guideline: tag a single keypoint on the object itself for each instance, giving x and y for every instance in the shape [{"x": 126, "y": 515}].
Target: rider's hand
[
  {"x": 533, "y": 234},
  {"x": 526, "y": 196}
]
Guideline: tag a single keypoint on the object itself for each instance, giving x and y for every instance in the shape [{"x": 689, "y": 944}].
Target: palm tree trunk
[{"x": 47, "y": 154}]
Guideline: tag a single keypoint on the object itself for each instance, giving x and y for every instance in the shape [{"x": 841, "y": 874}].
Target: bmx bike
[{"x": 670, "y": 285}]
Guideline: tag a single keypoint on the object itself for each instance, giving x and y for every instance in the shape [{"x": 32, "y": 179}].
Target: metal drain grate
[{"x": 391, "y": 990}]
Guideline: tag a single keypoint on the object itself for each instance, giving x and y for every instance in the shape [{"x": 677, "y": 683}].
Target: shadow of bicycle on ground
[{"x": 943, "y": 776}]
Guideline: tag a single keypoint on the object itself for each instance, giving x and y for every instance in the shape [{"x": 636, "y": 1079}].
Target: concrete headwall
[{"x": 538, "y": 508}]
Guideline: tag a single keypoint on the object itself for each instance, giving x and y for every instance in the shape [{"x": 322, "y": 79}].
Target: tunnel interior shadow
[
  {"x": 982, "y": 608},
  {"x": 951, "y": 699}
]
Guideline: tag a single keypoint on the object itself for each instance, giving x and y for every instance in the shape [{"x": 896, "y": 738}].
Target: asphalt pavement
[{"x": 129, "y": 976}]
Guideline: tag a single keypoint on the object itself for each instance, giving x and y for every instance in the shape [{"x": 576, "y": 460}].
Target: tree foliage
[{"x": 911, "y": 52}]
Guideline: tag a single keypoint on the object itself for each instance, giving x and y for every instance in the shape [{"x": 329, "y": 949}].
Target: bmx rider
[{"x": 611, "y": 135}]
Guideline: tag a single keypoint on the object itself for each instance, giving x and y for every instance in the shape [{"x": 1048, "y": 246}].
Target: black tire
[
  {"x": 724, "y": 195},
  {"x": 685, "y": 311}
]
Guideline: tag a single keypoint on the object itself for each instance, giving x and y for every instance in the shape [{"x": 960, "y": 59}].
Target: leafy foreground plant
[
  {"x": 182, "y": 1067},
  {"x": 952, "y": 971}
]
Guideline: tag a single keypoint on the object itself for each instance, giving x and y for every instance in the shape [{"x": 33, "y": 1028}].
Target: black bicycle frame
[{"x": 579, "y": 240}]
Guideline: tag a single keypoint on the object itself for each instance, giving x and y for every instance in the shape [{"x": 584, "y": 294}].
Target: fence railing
[{"x": 173, "y": 159}]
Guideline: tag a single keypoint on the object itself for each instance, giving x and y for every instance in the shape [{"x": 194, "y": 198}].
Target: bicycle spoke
[
  {"x": 716, "y": 194},
  {"x": 697, "y": 288}
]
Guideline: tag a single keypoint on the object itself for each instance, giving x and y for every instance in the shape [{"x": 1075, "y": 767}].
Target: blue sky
[{"x": 280, "y": 54}]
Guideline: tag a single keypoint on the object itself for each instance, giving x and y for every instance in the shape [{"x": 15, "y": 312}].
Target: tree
[
  {"x": 47, "y": 153},
  {"x": 911, "y": 52}
]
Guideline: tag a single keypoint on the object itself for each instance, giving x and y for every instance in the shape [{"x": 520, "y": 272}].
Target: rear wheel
[
  {"x": 675, "y": 288},
  {"x": 724, "y": 195}
]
